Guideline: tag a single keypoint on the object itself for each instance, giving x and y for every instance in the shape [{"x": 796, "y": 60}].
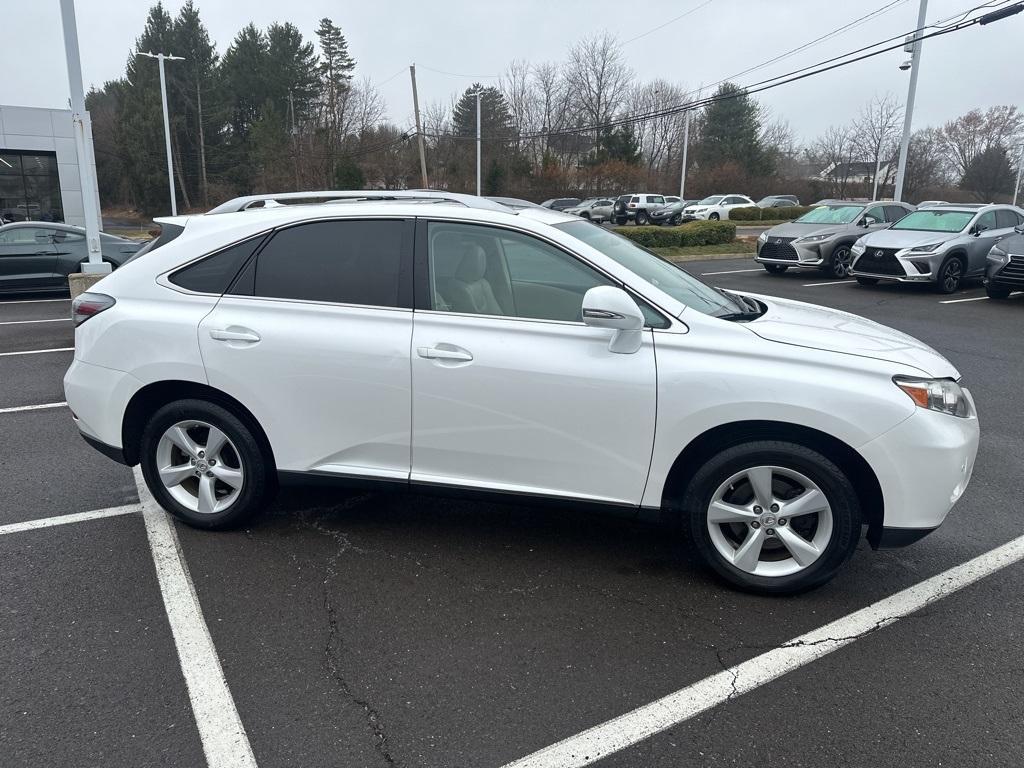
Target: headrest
[{"x": 473, "y": 266}]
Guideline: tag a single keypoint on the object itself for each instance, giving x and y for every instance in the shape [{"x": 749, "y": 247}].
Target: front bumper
[
  {"x": 919, "y": 269},
  {"x": 806, "y": 255},
  {"x": 923, "y": 466}
]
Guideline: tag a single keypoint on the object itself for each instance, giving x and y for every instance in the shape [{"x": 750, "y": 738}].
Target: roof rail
[{"x": 282, "y": 198}]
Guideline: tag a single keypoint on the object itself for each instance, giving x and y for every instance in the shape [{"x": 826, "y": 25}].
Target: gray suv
[
  {"x": 823, "y": 237},
  {"x": 943, "y": 245},
  {"x": 1005, "y": 272}
]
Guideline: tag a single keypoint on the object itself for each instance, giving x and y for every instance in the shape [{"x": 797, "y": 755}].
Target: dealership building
[{"x": 39, "y": 178}]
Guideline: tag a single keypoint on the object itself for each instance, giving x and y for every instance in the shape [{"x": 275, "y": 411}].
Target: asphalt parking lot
[{"x": 375, "y": 629}]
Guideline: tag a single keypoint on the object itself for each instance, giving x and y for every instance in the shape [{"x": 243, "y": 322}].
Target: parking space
[{"x": 399, "y": 629}]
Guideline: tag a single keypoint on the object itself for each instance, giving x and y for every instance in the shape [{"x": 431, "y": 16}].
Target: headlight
[
  {"x": 925, "y": 248},
  {"x": 998, "y": 256},
  {"x": 763, "y": 237},
  {"x": 942, "y": 395},
  {"x": 817, "y": 238},
  {"x": 858, "y": 248}
]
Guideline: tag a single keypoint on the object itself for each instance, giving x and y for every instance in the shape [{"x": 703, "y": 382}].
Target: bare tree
[
  {"x": 660, "y": 138},
  {"x": 876, "y": 133},
  {"x": 926, "y": 163},
  {"x": 971, "y": 134},
  {"x": 833, "y": 153},
  {"x": 598, "y": 78}
]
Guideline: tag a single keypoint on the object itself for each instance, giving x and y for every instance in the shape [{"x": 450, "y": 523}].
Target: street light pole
[
  {"x": 83, "y": 140},
  {"x": 686, "y": 146},
  {"x": 161, "y": 57},
  {"x": 1020, "y": 165},
  {"x": 908, "y": 116},
  {"x": 478, "y": 189}
]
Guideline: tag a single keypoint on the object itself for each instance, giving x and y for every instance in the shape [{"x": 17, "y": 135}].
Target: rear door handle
[
  {"x": 437, "y": 353},
  {"x": 221, "y": 334}
]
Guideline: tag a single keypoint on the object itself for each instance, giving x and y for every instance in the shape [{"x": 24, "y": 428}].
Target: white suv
[
  {"x": 717, "y": 207},
  {"x": 443, "y": 340}
]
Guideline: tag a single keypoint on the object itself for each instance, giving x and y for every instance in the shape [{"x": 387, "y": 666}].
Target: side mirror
[
  {"x": 868, "y": 221},
  {"x": 606, "y": 306}
]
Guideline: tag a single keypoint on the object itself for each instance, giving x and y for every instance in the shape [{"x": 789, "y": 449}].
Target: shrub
[
  {"x": 688, "y": 234},
  {"x": 753, "y": 213}
]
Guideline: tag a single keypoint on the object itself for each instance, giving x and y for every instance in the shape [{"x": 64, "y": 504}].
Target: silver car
[
  {"x": 595, "y": 209},
  {"x": 823, "y": 237},
  {"x": 943, "y": 245}
]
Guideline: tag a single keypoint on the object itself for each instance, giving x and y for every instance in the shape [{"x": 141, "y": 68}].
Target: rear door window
[
  {"x": 345, "y": 262},
  {"x": 1005, "y": 218}
]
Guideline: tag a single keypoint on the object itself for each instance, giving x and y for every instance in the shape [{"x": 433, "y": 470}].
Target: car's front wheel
[
  {"x": 839, "y": 263},
  {"x": 772, "y": 517},
  {"x": 204, "y": 465},
  {"x": 951, "y": 274},
  {"x": 676, "y": 220},
  {"x": 641, "y": 218},
  {"x": 713, "y": 217}
]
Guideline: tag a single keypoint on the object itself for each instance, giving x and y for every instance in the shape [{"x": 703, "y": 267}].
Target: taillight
[{"x": 87, "y": 305}]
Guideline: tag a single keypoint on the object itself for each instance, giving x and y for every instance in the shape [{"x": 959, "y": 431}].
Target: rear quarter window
[{"x": 215, "y": 273}]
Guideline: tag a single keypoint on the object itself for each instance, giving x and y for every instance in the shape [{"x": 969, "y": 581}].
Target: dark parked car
[
  {"x": 37, "y": 256},
  {"x": 672, "y": 213},
  {"x": 1005, "y": 273},
  {"x": 561, "y": 203},
  {"x": 778, "y": 201}
]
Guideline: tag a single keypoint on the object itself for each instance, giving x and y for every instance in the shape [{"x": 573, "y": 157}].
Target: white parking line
[
  {"x": 731, "y": 272},
  {"x": 614, "y": 735},
  {"x": 837, "y": 282},
  {"x": 33, "y": 301},
  {"x": 37, "y": 351},
  {"x": 975, "y": 298},
  {"x": 225, "y": 742},
  {"x": 19, "y": 408},
  {"x": 78, "y": 517},
  {"x": 29, "y": 322}
]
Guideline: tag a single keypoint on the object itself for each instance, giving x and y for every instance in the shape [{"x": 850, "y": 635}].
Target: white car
[
  {"x": 468, "y": 346},
  {"x": 717, "y": 207},
  {"x": 596, "y": 209}
]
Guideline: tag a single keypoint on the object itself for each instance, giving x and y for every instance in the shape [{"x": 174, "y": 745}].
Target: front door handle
[
  {"x": 224, "y": 334},
  {"x": 439, "y": 353}
]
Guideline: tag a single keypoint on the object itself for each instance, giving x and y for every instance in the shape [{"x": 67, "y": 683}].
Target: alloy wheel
[
  {"x": 770, "y": 521},
  {"x": 951, "y": 275},
  {"x": 841, "y": 261},
  {"x": 199, "y": 466}
]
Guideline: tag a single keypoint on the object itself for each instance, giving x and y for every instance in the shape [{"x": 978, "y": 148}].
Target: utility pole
[
  {"x": 202, "y": 145},
  {"x": 878, "y": 165},
  {"x": 1020, "y": 165},
  {"x": 419, "y": 129},
  {"x": 686, "y": 147},
  {"x": 478, "y": 190},
  {"x": 83, "y": 141},
  {"x": 161, "y": 57},
  {"x": 908, "y": 117},
  {"x": 295, "y": 138}
]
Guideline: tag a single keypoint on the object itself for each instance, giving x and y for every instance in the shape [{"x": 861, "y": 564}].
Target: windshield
[
  {"x": 934, "y": 220},
  {"x": 713, "y": 200},
  {"x": 831, "y": 214},
  {"x": 662, "y": 274}
]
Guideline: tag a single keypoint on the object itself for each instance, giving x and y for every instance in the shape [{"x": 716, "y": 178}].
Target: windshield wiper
[{"x": 751, "y": 308}]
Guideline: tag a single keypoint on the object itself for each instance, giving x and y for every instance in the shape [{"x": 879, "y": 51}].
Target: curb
[{"x": 711, "y": 256}]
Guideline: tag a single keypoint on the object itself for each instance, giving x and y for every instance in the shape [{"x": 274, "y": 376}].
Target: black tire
[
  {"x": 621, "y": 221},
  {"x": 951, "y": 275},
  {"x": 677, "y": 220},
  {"x": 775, "y": 269},
  {"x": 642, "y": 218},
  {"x": 833, "y": 482},
  {"x": 258, "y": 469},
  {"x": 867, "y": 280},
  {"x": 997, "y": 292},
  {"x": 838, "y": 264},
  {"x": 585, "y": 215},
  {"x": 713, "y": 217}
]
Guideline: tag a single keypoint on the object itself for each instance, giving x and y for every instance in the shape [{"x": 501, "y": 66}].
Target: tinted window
[
  {"x": 1006, "y": 218},
  {"x": 63, "y": 236},
  {"x": 215, "y": 273},
  {"x": 987, "y": 221},
  {"x": 657, "y": 199},
  {"x": 349, "y": 262},
  {"x": 488, "y": 271},
  {"x": 895, "y": 212},
  {"x": 877, "y": 213}
]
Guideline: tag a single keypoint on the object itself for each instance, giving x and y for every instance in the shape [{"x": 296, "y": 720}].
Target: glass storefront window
[{"x": 29, "y": 187}]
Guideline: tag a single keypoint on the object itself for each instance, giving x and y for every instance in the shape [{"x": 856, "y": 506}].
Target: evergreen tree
[
  {"x": 335, "y": 73},
  {"x": 495, "y": 118},
  {"x": 989, "y": 174},
  {"x": 291, "y": 69},
  {"x": 242, "y": 74},
  {"x": 731, "y": 132}
]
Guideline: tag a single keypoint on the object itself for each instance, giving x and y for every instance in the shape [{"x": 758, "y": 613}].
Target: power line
[
  {"x": 670, "y": 21},
  {"x": 458, "y": 74}
]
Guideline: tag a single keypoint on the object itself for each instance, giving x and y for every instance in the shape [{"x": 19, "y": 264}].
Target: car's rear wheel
[
  {"x": 713, "y": 217},
  {"x": 641, "y": 218},
  {"x": 867, "y": 280},
  {"x": 839, "y": 262},
  {"x": 997, "y": 291},
  {"x": 204, "y": 465},
  {"x": 775, "y": 269},
  {"x": 585, "y": 215},
  {"x": 951, "y": 274},
  {"x": 772, "y": 517}
]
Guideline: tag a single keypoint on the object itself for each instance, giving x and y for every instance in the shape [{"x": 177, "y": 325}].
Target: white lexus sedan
[{"x": 433, "y": 339}]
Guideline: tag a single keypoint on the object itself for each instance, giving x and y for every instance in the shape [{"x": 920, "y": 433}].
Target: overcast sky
[{"x": 978, "y": 67}]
